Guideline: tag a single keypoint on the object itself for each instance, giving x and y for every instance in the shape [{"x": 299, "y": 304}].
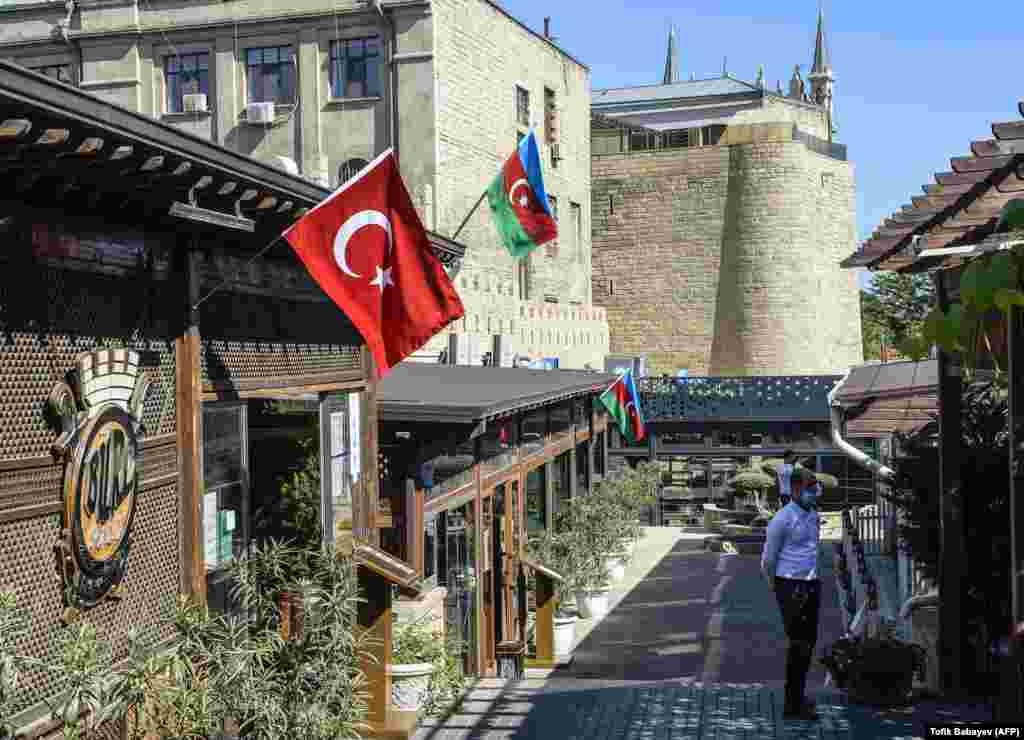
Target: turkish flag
[{"x": 366, "y": 247}]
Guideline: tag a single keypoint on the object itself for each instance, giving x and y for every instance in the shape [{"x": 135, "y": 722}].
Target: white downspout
[{"x": 858, "y": 456}]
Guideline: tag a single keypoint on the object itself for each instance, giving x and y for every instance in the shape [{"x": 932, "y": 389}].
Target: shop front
[
  {"x": 147, "y": 316},
  {"x": 479, "y": 459}
]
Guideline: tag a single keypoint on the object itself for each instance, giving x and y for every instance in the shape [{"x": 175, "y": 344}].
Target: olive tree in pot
[
  {"x": 590, "y": 539},
  {"x": 553, "y": 550},
  {"x": 416, "y": 649}
]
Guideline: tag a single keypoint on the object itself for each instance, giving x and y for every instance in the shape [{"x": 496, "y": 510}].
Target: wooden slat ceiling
[
  {"x": 960, "y": 207},
  {"x": 885, "y": 416}
]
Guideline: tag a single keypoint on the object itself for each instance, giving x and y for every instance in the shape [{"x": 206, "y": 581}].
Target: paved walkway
[{"x": 692, "y": 648}]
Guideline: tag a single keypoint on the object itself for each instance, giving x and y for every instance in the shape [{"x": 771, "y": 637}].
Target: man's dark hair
[{"x": 788, "y": 455}]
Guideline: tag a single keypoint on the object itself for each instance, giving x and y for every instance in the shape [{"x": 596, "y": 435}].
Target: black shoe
[{"x": 807, "y": 713}]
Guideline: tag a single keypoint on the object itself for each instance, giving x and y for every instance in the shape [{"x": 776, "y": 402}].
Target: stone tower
[{"x": 671, "y": 59}]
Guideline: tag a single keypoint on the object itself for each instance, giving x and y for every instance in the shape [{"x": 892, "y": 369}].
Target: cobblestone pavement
[{"x": 695, "y": 649}]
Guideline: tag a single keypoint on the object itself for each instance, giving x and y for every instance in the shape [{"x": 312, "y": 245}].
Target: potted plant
[
  {"x": 876, "y": 670},
  {"x": 552, "y": 549},
  {"x": 415, "y": 650}
]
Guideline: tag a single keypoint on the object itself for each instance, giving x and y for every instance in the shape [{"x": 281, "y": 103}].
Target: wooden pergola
[{"x": 956, "y": 220}]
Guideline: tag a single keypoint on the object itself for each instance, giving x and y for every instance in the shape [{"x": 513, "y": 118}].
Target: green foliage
[
  {"x": 554, "y": 550},
  {"x": 14, "y": 624},
  {"x": 984, "y": 498},
  {"x": 413, "y": 641},
  {"x": 894, "y": 310},
  {"x": 83, "y": 662},
  {"x": 297, "y": 506}
]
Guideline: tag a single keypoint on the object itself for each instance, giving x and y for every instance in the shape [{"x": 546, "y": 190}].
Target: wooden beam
[
  {"x": 951, "y": 624},
  {"x": 1013, "y": 130},
  {"x": 1011, "y": 704},
  {"x": 189, "y": 409},
  {"x": 980, "y": 164},
  {"x": 960, "y": 178},
  {"x": 375, "y": 626}
]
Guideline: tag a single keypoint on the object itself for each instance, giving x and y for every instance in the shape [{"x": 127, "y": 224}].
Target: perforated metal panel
[
  {"x": 29, "y": 569},
  {"x": 230, "y": 360}
]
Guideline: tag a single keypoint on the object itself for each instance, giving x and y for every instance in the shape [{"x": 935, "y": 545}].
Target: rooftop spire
[
  {"x": 822, "y": 64},
  {"x": 671, "y": 59}
]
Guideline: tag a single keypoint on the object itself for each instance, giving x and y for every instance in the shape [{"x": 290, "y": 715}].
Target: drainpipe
[
  {"x": 64, "y": 29},
  {"x": 387, "y": 16},
  {"x": 858, "y": 456}
]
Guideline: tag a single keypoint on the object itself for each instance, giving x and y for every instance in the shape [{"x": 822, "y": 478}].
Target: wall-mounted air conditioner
[
  {"x": 503, "y": 354},
  {"x": 194, "y": 102},
  {"x": 259, "y": 113},
  {"x": 464, "y": 349}
]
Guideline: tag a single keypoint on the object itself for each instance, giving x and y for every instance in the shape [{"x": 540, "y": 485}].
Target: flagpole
[
  {"x": 224, "y": 284},
  {"x": 469, "y": 215}
]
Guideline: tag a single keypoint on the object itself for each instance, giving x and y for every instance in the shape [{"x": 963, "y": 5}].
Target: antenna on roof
[{"x": 725, "y": 64}]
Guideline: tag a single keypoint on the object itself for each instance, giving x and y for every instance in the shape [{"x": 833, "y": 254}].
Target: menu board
[{"x": 354, "y": 443}]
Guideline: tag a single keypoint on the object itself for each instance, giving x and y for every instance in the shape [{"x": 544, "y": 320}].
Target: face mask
[{"x": 809, "y": 498}]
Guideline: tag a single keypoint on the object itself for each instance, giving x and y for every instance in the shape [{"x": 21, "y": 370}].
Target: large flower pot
[
  {"x": 409, "y": 685},
  {"x": 616, "y": 569},
  {"x": 592, "y": 603},
  {"x": 565, "y": 634}
]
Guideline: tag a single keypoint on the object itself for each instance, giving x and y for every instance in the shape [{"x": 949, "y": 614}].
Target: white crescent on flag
[{"x": 349, "y": 229}]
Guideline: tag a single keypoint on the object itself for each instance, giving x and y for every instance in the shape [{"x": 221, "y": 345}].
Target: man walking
[
  {"x": 790, "y": 564},
  {"x": 784, "y": 473}
]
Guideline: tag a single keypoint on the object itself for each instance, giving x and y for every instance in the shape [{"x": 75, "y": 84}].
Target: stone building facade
[
  {"x": 465, "y": 78},
  {"x": 721, "y": 214}
]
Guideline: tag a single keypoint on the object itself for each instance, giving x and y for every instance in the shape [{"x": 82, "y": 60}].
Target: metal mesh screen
[
  {"x": 29, "y": 567},
  {"x": 48, "y": 316}
]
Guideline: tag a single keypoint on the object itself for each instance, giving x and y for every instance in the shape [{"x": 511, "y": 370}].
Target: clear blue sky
[{"x": 916, "y": 81}]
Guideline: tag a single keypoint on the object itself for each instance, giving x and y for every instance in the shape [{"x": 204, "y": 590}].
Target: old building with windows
[
  {"x": 721, "y": 211},
  {"x": 320, "y": 88}
]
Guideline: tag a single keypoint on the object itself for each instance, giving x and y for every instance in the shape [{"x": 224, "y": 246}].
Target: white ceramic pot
[
  {"x": 565, "y": 634},
  {"x": 409, "y": 685},
  {"x": 616, "y": 569},
  {"x": 592, "y": 603}
]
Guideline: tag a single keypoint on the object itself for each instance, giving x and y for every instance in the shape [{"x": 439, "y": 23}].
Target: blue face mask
[{"x": 809, "y": 498}]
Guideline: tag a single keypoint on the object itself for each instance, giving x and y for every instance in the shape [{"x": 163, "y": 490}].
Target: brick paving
[{"x": 695, "y": 649}]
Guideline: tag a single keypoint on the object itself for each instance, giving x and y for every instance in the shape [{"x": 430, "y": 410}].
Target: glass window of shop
[
  {"x": 561, "y": 483},
  {"x": 225, "y": 507},
  {"x": 452, "y": 470},
  {"x": 340, "y": 434},
  {"x": 456, "y": 571},
  {"x": 599, "y": 454},
  {"x": 581, "y": 413},
  {"x": 582, "y": 469},
  {"x": 533, "y": 427},
  {"x": 498, "y": 446},
  {"x": 561, "y": 417},
  {"x": 536, "y": 501}
]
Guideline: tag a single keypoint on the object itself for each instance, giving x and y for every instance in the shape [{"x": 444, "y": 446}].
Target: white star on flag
[
  {"x": 383, "y": 279},
  {"x": 524, "y": 201}
]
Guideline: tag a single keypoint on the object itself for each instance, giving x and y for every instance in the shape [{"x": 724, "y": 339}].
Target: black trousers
[{"x": 800, "y": 604}]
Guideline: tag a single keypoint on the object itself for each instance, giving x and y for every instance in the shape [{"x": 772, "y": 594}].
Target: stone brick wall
[
  {"x": 480, "y": 56},
  {"x": 725, "y": 260},
  {"x": 809, "y": 117}
]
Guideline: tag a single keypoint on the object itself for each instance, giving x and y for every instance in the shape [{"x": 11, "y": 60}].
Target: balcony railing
[{"x": 789, "y": 397}]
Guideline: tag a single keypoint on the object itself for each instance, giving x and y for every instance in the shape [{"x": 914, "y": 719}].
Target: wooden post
[
  {"x": 375, "y": 624},
  {"x": 189, "y": 410},
  {"x": 951, "y": 632},
  {"x": 573, "y": 463},
  {"x": 1012, "y": 699},
  {"x": 369, "y": 482},
  {"x": 550, "y": 471},
  {"x": 544, "y": 631}
]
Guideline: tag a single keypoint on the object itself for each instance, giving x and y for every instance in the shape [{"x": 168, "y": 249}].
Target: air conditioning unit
[
  {"x": 464, "y": 349},
  {"x": 259, "y": 113},
  {"x": 503, "y": 354},
  {"x": 194, "y": 103}
]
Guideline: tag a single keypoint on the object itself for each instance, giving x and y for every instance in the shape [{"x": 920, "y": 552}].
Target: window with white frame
[
  {"x": 522, "y": 106},
  {"x": 356, "y": 68},
  {"x": 577, "y": 230},
  {"x": 185, "y": 74},
  {"x": 270, "y": 74}
]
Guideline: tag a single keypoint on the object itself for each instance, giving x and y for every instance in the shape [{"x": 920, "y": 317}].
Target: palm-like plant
[{"x": 14, "y": 624}]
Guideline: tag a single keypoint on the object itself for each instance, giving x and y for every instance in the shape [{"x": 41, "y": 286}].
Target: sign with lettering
[{"x": 100, "y": 421}]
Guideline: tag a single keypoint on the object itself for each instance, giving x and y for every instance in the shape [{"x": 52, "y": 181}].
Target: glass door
[
  {"x": 487, "y": 587},
  {"x": 507, "y": 623}
]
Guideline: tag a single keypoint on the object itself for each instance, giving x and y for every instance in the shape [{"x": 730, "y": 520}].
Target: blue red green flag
[
  {"x": 623, "y": 404},
  {"x": 519, "y": 203}
]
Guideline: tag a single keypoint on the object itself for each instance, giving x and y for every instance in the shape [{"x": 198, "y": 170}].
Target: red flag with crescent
[{"x": 366, "y": 247}]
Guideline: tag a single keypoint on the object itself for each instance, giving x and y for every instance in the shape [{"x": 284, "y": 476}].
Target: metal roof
[
  {"x": 961, "y": 208},
  {"x": 680, "y": 90},
  {"x": 879, "y": 380},
  {"x": 415, "y": 391}
]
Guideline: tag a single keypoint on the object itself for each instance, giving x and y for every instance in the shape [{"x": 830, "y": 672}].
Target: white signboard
[
  {"x": 355, "y": 448},
  {"x": 211, "y": 553},
  {"x": 339, "y": 486}
]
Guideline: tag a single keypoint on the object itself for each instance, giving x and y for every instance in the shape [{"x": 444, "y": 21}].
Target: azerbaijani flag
[
  {"x": 519, "y": 203},
  {"x": 623, "y": 403}
]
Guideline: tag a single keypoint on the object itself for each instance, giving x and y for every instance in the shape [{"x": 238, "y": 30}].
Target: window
[
  {"x": 522, "y": 107},
  {"x": 60, "y": 72},
  {"x": 551, "y": 248},
  {"x": 711, "y": 135},
  {"x": 577, "y": 230},
  {"x": 270, "y": 73},
  {"x": 551, "y": 125},
  {"x": 355, "y": 68},
  {"x": 185, "y": 74},
  {"x": 350, "y": 169}
]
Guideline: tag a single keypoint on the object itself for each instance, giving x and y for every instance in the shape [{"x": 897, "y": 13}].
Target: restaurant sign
[{"x": 100, "y": 418}]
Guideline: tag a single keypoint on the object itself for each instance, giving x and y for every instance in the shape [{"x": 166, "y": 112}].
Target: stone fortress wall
[{"x": 724, "y": 260}]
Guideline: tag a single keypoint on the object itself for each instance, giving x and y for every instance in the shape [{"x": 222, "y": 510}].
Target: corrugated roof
[
  {"x": 888, "y": 415},
  {"x": 688, "y": 89},
  {"x": 463, "y": 394},
  {"x": 880, "y": 380}
]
